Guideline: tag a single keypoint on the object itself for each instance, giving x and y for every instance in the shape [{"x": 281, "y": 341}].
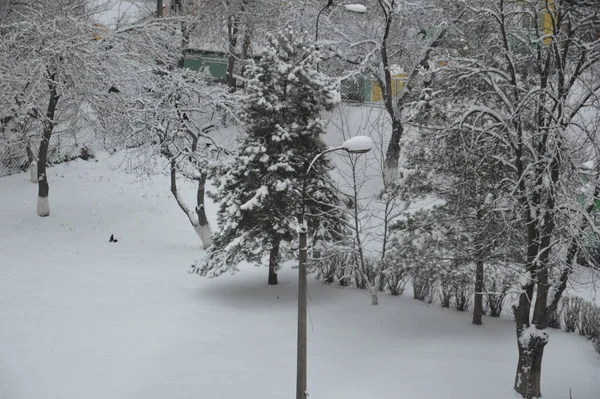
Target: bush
[
  {"x": 462, "y": 296},
  {"x": 555, "y": 317},
  {"x": 334, "y": 266},
  {"x": 462, "y": 287},
  {"x": 396, "y": 280},
  {"x": 498, "y": 281},
  {"x": 446, "y": 289},
  {"x": 495, "y": 301},
  {"x": 445, "y": 293},
  {"x": 344, "y": 275},
  {"x": 571, "y": 310},
  {"x": 327, "y": 270},
  {"x": 588, "y": 320},
  {"x": 85, "y": 153},
  {"x": 423, "y": 288},
  {"x": 368, "y": 273},
  {"x": 577, "y": 314}
]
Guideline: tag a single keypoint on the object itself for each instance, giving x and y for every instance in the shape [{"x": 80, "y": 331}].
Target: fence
[{"x": 64, "y": 146}]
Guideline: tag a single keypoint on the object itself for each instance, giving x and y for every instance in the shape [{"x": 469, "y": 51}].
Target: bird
[{"x": 113, "y": 239}]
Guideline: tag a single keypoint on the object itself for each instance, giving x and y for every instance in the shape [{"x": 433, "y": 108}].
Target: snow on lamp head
[
  {"x": 357, "y": 145},
  {"x": 358, "y": 8}
]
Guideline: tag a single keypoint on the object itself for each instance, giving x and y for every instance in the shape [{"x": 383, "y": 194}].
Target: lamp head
[
  {"x": 357, "y": 8},
  {"x": 357, "y": 145}
]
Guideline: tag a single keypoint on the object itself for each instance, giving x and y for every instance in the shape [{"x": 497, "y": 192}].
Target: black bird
[{"x": 113, "y": 239}]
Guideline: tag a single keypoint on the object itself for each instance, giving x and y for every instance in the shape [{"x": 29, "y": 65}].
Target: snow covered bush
[
  {"x": 578, "y": 314},
  {"x": 260, "y": 194},
  {"x": 334, "y": 266},
  {"x": 446, "y": 286},
  {"x": 589, "y": 320},
  {"x": 499, "y": 280},
  {"x": 555, "y": 317},
  {"x": 425, "y": 246},
  {"x": 366, "y": 273},
  {"x": 424, "y": 283},
  {"x": 571, "y": 312},
  {"x": 462, "y": 287},
  {"x": 396, "y": 279},
  {"x": 327, "y": 269}
]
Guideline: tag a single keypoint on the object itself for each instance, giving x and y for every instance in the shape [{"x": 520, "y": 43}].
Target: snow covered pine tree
[{"x": 260, "y": 191}]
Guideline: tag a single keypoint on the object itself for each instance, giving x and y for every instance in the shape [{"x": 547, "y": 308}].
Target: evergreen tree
[{"x": 260, "y": 191}]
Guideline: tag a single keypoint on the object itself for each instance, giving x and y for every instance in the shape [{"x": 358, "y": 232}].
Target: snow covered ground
[{"x": 84, "y": 318}]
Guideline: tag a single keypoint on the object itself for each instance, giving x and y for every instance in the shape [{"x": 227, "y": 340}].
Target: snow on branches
[{"x": 260, "y": 191}]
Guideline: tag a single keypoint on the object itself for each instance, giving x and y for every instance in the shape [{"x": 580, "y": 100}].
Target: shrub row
[{"x": 453, "y": 287}]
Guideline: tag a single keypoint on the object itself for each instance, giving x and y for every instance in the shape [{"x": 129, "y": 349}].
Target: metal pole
[
  {"x": 159, "y": 8},
  {"x": 329, "y": 4},
  {"x": 301, "y": 345},
  {"x": 301, "y": 359},
  {"x": 301, "y": 363}
]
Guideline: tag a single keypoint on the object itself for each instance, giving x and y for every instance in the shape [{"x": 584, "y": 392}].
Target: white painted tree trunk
[
  {"x": 33, "y": 171},
  {"x": 205, "y": 234},
  {"x": 203, "y": 230},
  {"x": 372, "y": 288},
  {"x": 43, "y": 208},
  {"x": 374, "y": 298},
  {"x": 388, "y": 175}
]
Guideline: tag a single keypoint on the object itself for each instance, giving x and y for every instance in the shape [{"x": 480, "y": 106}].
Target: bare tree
[{"x": 176, "y": 118}]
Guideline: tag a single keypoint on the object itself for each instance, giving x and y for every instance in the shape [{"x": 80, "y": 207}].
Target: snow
[
  {"x": 113, "y": 13},
  {"x": 358, "y": 8},
  {"x": 253, "y": 202},
  {"x": 532, "y": 332},
  {"x": 82, "y": 317},
  {"x": 589, "y": 165},
  {"x": 358, "y": 144}
]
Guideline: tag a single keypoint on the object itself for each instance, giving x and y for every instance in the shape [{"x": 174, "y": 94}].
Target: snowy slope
[{"x": 83, "y": 318}]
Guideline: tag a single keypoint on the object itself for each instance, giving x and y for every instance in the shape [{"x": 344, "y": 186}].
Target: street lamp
[
  {"x": 354, "y": 145},
  {"x": 357, "y": 8}
]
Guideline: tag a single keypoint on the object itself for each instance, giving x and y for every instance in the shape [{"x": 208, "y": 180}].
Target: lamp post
[
  {"x": 159, "y": 8},
  {"x": 354, "y": 145},
  {"x": 357, "y": 8}
]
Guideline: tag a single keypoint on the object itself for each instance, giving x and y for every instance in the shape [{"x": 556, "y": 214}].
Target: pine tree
[{"x": 260, "y": 192}]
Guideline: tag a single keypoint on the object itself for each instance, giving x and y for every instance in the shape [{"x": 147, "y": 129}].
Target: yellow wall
[
  {"x": 397, "y": 85},
  {"x": 547, "y": 21}
]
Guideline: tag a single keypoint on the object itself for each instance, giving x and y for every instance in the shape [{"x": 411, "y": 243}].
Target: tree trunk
[
  {"x": 177, "y": 8},
  {"x": 529, "y": 367},
  {"x": 273, "y": 263},
  {"x": 374, "y": 298},
  {"x": 203, "y": 225},
  {"x": 392, "y": 155},
  {"x": 43, "y": 207},
  {"x": 233, "y": 31},
  {"x": 478, "y": 301},
  {"x": 32, "y": 165}
]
